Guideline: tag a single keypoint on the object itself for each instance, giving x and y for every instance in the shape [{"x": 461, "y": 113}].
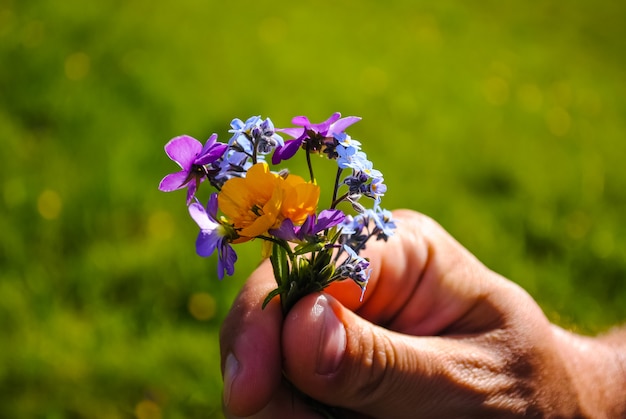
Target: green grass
[{"x": 502, "y": 120}]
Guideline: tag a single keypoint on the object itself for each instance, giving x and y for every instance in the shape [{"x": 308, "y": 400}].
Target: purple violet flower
[
  {"x": 213, "y": 235},
  {"x": 311, "y": 226},
  {"x": 306, "y": 131},
  {"x": 192, "y": 157}
]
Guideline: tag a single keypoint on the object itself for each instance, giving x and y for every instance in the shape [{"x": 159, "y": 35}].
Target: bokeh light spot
[
  {"x": 202, "y": 306},
  {"x": 147, "y": 409},
  {"x": 77, "y": 66},
  {"x": 49, "y": 204}
]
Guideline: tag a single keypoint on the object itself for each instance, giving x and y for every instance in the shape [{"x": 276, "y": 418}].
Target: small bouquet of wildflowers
[{"x": 309, "y": 248}]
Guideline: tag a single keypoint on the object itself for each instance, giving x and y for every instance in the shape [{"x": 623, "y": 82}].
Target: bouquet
[{"x": 254, "y": 198}]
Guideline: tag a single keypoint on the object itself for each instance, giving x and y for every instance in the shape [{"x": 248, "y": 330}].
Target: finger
[
  {"x": 250, "y": 346},
  {"x": 284, "y": 404},
  {"x": 422, "y": 279},
  {"x": 343, "y": 360}
]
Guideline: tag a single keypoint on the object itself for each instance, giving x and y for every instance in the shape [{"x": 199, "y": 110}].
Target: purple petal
[
  {"x": 323, "y": 126},
  {"x": 328, "y": 218},
  {"x": 292, "y": 132},
  {"x": 183, "y": 150},
  {"x": 306, "y": 229},
  {"x": 173, "y": 181},
  {"x": 206, "y": 243},
  {"x": 209, "y": 143},
  {"x": 200, "y": 216},
  {"x": 211, "y": 155},
  {"x": 226, "y": 260},
  {"x": 344, "y": 123},
  {"x": 303, "y": 121},
  {"x": 285, "y": 231},
  {"x": 285, "y": 153},
  {"x": 191, "y": 189},
  {"x": 211, "y": 151},
  {"x": 212, "y": 206}
]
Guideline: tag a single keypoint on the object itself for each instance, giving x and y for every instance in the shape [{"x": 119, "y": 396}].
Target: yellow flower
[{"x": 262, "y": 200}]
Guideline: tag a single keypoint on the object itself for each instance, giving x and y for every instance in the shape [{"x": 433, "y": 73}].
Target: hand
[{"x": 436, "y": 335}]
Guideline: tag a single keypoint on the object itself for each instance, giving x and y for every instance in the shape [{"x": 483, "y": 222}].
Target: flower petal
[
  {"x": 322, "y": 127},
  {"x": 211, "y": 155},
  {"x": 328, "y": 218},
  {"x": 192, "y": 186},
  {"x": 303, "y": 121},
  {"x": 344, "y": 123},
  {"x": 285, "y": 231},
  {"x": 226, "y": 260},
  {"x": 200, "y": 216},
  {"x": 292, "y": 132},
  {"x": 211, "y": 207},
  {"x": 183, "y": 150},
  {"x": 173, "y": 181},
  {"x": 287, "y": 151},
  {"x": 206, "y": 242}
]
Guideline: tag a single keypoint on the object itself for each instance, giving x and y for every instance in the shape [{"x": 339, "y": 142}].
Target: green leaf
[
  {"x": 307, "y": 248},
  {"x": 270, "y": 296},
  {"x": 280, "y": 265}
]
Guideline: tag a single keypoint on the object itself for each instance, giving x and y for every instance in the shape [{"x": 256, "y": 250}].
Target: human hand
[{"x": 436, "y": 335}]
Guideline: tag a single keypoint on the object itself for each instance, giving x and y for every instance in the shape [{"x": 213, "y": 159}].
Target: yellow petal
[{"x": 300, "y": 201}]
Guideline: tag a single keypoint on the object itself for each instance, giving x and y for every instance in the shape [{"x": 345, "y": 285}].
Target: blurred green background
[{"x": 505, "y": 121}]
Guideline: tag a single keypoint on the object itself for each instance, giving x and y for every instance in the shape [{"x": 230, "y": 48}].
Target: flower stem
[
  {"x": 338, "y": 200},
  {"x": 334, "y": 202},
  {"x": 308, "y": 162}
]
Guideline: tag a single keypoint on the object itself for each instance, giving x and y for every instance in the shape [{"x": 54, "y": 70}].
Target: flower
[
  {"x": 214, "y": 235},
  {"x": 350, "y": 157},
  {"x": 308, "y": 250},
  {"x": 192, "y": 157},
  {"x": 376, "y": 188},
  {"x": 347, "y": 141},
  {"x": 316, "y": 133},
  {"x": 354, "y": 267},
  {"x": 254, "y": 132},
  {"x": 311, "y": 226},
  {"x": 262, "y": 200},
  {"x": 383, "y": 221}
]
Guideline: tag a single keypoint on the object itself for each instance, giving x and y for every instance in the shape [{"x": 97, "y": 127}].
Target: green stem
[
  {"x": 338, "y": 200},
  {"x": 308, "y": 162},
  {"x": 281, "y": 243},
  {"x": 334, "y": 202}
]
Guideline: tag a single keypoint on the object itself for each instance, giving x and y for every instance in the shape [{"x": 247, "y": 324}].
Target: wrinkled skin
[{"x": 437, "y": 335}]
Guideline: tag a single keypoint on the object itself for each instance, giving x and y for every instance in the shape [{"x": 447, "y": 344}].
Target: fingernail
[
  {"x": 332, "y": 344},
  {"x": 231, "y": 368}
]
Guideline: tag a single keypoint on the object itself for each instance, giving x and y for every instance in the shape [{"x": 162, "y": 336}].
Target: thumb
[{"x": 342, "y": 360}]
